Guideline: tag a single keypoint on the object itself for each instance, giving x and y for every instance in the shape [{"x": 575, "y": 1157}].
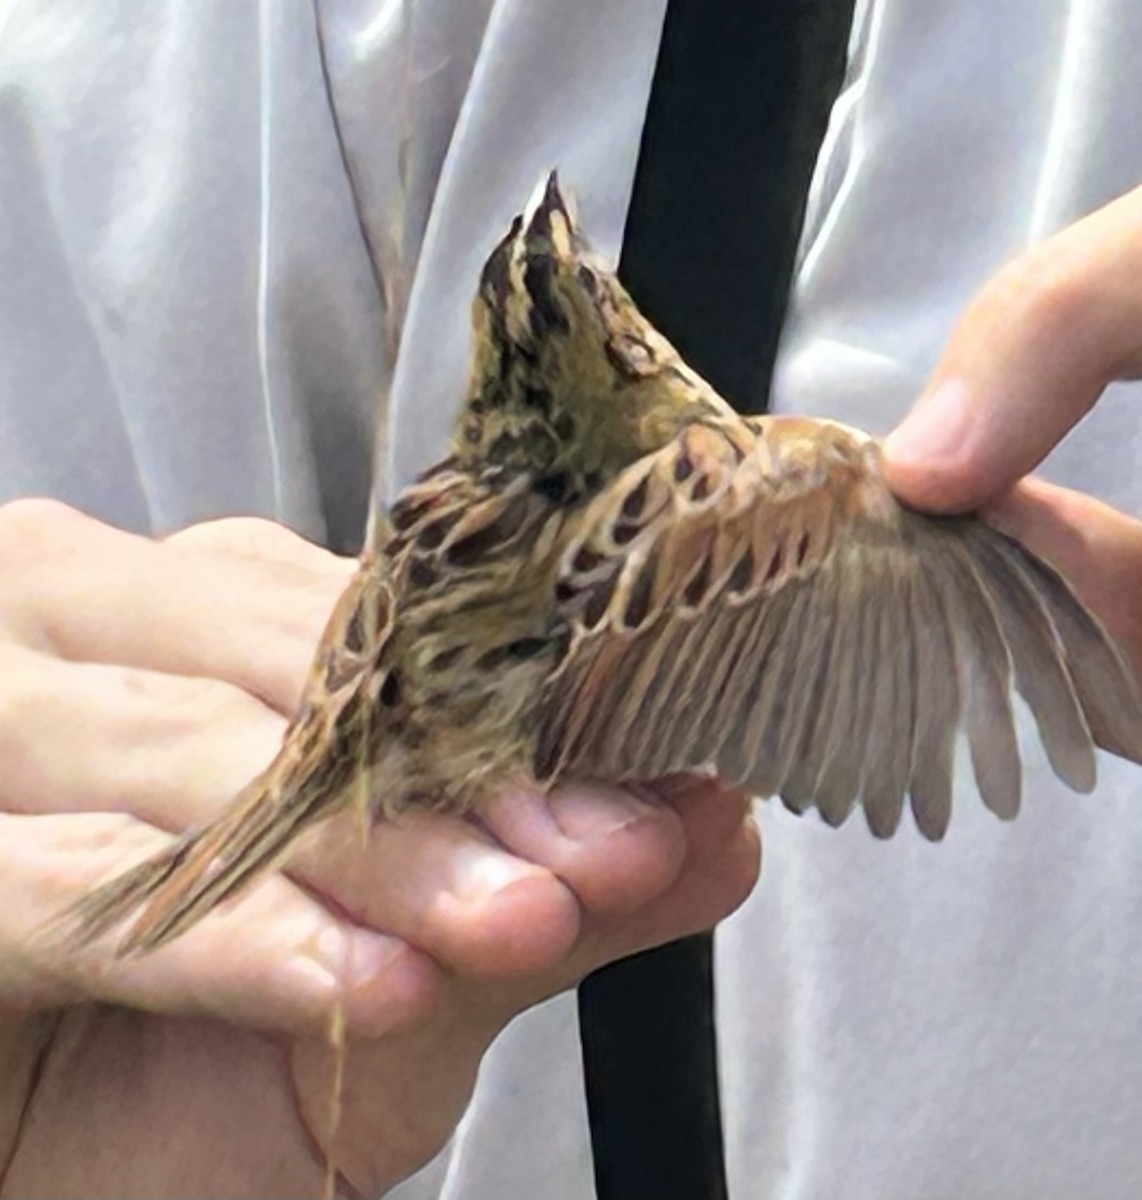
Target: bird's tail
[
  {"x": 175, "y": 889},
  {"x": 323, "y": 766}
]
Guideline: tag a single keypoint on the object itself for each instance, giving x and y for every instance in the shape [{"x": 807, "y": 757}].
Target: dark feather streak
[
  {"x": 638, "y": 604},
  {"x": 696, "y": 588},
  {"x": 635, "y": 501},
  {"x": 742, "y": 574},
  {"x": 556, "y": 486},
  {"x": 472, "y": 548},
  {"x": 545, "y": 316},
  {"x": 391, "y": 690},
  {"x": 421, "y": 573}
]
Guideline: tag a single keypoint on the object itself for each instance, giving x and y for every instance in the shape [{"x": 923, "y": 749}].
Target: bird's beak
[{"x": 549, "y": 216}]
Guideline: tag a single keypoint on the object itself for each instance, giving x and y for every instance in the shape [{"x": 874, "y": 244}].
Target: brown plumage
[{"x": 613, "y": 577}]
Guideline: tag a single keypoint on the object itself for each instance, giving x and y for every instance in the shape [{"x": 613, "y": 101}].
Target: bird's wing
[{"x": 762, "y": 603}]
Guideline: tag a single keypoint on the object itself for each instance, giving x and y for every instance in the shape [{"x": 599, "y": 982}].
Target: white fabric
[{"x": 189, "y": 325}]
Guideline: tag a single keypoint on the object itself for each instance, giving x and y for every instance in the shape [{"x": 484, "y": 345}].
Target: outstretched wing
[{"x": 757, "y": 600}]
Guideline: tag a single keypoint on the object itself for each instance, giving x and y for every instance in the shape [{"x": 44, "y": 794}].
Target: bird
[{"x": 612, "y": 576}]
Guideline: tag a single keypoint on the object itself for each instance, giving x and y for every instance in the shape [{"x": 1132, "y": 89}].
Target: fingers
[
  {"x": 272, "y": 544},
  {"x": 1095, "y": 546},
  {"x": 95, "y": 734},
  {"x": 278, "y": 961},
  {"x": 720, "y": 869},
  {"x": 614, "y": 847},
  {"x": 1028, "y": 360},
  {"x": 698, "y": 861},
  {"x": 85, "y": 737},
  {"x": 542, "y": 888},
  {"x": 79, "y": 589},
  {"x": 505, "y": 897},
  {"x": 601, "y": 874},
  {"x": 81, "y": 742},
  {"x": 446, "y": 886}
]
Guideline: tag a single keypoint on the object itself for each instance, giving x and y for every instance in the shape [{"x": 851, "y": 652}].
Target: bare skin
[{"x": 144, "y": 683}]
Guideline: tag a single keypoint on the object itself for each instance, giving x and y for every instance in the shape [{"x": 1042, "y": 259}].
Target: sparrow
[{"x": 613, "y": 576}]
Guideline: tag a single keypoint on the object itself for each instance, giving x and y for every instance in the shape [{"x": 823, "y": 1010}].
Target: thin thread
[
  {"x": 337, "y": 1098},
  {"x": 265, "y": 95}
]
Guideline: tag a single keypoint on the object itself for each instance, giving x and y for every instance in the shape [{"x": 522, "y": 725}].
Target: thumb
[{"x": 1027, "y": 361}]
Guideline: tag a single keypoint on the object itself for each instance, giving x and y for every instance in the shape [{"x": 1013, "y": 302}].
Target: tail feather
[
  {"x": 108, "y": 906},
  {"x": 324, "y": 764},
  {"x": 178, "y": 887}
]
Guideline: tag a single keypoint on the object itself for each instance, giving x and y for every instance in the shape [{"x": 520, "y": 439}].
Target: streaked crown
[{"x": 569, "y": 381}]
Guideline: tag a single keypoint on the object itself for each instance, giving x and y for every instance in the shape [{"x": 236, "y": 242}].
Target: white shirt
[{"x": 189, "y": 325}]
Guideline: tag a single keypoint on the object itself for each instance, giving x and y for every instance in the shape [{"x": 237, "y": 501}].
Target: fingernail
[
  {"x": 478, "y": 872},
  {"x": 936, "y": 427},
  {"x": 586, "y": 813},
  {"x": 356, "y": 957}
]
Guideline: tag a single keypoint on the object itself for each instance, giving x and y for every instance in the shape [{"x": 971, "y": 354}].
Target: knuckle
[
  {"x": 180, "y": 704},
  {"x": 31, "y": 522},
  {"x": 255, "y": 538},
  {"x": 226, "y": 533},
  {"x": 276, "y": 552}
]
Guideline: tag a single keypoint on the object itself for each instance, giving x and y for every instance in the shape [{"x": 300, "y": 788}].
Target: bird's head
[{"x": 569, "y": 380}]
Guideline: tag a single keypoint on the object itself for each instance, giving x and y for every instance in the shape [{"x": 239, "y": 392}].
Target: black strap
[{"x": 741, "y": 95}]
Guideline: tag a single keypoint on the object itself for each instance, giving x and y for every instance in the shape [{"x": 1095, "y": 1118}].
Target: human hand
[
  {"x": 1030, "y": 357},
  {"x": 142, "y": 684}
]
